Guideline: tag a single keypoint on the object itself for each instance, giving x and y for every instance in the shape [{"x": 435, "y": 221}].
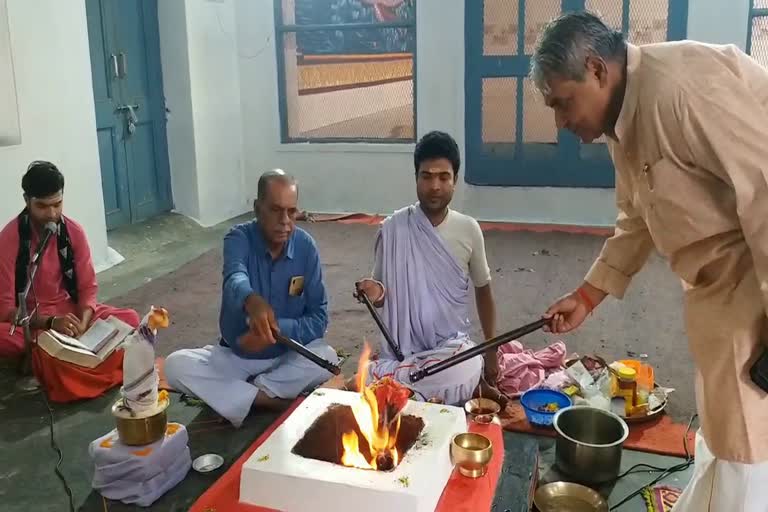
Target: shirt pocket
[{"x": 683, "y": 204}]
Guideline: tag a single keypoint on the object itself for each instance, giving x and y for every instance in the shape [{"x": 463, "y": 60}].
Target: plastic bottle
[{"x": 628, "y": 389}]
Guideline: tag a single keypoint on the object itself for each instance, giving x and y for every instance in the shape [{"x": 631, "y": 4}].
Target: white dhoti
[
  {"x": 453, "y": 386},
  {"x": 229, "y": 383},
  {"x": 722, "y": 486}
]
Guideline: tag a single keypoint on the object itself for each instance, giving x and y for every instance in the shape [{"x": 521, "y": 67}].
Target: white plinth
[{"x": 274, "y": 477}]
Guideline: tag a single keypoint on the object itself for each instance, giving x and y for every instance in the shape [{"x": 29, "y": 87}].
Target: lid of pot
[{"x": 628, "y": 373}]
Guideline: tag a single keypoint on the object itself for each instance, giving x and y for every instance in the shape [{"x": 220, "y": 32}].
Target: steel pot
[{"x": 589, "y": 443}]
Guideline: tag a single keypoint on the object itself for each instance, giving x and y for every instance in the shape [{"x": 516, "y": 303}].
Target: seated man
[
  {"x": 65, "y": 284},
  {"x": 272, "y": 282},
  {"x": 425, "y": 256}
]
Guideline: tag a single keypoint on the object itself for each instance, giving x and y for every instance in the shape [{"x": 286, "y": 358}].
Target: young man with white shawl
[{"x": 426, "y": 256}]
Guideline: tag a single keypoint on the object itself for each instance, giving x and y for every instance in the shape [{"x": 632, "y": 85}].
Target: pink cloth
[
  {"x": 51, "y": 294},
  {"x": 522, "y": 369}
]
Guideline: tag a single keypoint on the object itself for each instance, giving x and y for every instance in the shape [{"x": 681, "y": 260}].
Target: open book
[{"x": 98, "y": 342}]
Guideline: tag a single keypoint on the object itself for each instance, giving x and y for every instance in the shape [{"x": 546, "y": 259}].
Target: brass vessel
[
  {"x": 140, "y": 431},
  {"x": 482, "y": 410},
  {"x": 472, "y": 453}
]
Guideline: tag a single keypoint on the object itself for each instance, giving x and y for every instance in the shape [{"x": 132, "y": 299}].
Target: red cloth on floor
[
  {"x": 461, "y": 494},
  {"x": 67, "y": 382}
]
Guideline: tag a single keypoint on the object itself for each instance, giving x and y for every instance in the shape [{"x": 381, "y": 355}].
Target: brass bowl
[
  {"x": 140, "y": 431},
  {"x": 568, "y": 496},
  {"x": 472, "y": 453},
  {"x": 482, "y": 410}
]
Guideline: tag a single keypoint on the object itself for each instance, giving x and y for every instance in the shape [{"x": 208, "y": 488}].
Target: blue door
[
  {"x": 130, "y": 109},
  {"x": 511, "y": 138}
]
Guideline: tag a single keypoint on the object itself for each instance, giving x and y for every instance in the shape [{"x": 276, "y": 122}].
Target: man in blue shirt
[{"x": 272, "y": 281}]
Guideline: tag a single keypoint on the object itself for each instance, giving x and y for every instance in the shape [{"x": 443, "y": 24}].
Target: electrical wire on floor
[
  {"x": 665, "y": 472},
  {"x": 56, "y": 448},
  {"x": 54, "y": 444}
]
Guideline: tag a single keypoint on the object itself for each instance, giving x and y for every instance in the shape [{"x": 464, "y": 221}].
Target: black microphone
[{"x": 50, "y": 229}]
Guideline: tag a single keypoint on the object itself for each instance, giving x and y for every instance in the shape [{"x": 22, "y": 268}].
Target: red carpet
[
  {"x": 460, "y": 495},
  {"x": 375, "y": 220}
]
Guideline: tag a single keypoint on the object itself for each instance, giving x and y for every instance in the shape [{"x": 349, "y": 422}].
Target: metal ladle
[
  {"x": 361, "y": 296},
  {"x": 477, "y": 350},
  {"x": 304, "y": 351}
]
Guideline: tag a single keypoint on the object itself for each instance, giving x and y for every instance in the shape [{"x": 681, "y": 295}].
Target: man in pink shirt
[{"x": 65, "y": 284}]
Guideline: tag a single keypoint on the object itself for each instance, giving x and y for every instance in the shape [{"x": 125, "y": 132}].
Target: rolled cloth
[{"x": 140, "y": 377}]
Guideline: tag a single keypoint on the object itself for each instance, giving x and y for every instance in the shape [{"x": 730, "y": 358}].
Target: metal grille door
[{"x": 511, "y": 135}]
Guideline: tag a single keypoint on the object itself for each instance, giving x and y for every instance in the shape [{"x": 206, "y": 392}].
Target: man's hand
[
  {"x": 85, "y": 317},
  {"x": 254, "y": 343},
  {"x": 373, "y": 289},
  {"x": 566, "y": 314},
  {"x": 261, "y": 322},
  {"x": 68, "y": 324},
  {"x": 491, "y": 367}
]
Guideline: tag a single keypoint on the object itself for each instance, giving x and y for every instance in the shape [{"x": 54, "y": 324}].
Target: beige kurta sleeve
[
  {"x": 727, "y": 132},
  {"x": 625, "y": 253}
]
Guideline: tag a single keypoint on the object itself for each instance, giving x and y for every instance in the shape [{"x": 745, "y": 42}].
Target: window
[
  {"x": 757, "y": 33},
  {"x": 346, "y": 70}
]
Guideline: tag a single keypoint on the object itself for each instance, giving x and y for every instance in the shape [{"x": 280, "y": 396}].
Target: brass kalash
[{"x": 146, "y": 425}]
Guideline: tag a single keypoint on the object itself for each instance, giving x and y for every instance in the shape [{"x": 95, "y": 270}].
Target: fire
[{"x": 377, "y": 414}]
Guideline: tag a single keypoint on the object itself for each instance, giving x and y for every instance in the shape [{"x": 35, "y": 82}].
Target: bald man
[{"x": 272, "y": 281}]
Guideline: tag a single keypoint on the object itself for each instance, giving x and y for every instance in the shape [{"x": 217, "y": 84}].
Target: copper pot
[{"x": 140, "y": 431}]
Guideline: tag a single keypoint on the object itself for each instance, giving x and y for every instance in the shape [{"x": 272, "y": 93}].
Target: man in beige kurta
[{"x": 687, "y": 128}]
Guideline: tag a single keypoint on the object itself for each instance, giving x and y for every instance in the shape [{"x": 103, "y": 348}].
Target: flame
[{"x": 378, "y": 429}]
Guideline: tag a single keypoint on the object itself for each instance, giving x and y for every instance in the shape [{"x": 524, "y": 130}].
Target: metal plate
[
  {"x": 207, "y": 463},
  {"x": 641, "y": 419},
  {"x": 568, "y": 497}
]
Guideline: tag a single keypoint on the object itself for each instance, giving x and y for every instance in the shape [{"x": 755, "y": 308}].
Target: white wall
[
  {"x": 49, "y": 40},
  {"x": 9, "y": 107},
  {"x": 174, "y": 56},
  {"x": 202, "y": 86},
  {"x": 718, "y": 21}
]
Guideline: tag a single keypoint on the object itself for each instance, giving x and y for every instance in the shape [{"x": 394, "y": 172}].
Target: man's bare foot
[
  {"x": 485, "y": 390},
  {"x": 262, "y": 401}
]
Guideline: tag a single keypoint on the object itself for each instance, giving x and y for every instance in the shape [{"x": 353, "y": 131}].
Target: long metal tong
[
  {"x": 501, "y": 339},
  {"x": 304, "y": 351},
  {"x": 361, "y": 296}
]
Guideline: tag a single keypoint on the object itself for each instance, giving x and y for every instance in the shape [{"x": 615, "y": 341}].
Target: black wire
[
  {"x": 56, "y": 448},
  {"x": 665, "y": 471},
  {"x": 54, "y": 444}
]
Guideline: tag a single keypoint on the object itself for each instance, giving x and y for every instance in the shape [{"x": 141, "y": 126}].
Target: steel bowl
[
  {"x": 589, "y": 443},
  {"x": 559, "y": 496},
  {"x": 207, "y": 463},
  {"x": 471, "y": 453},
  {"x": 482, "y": 410}
]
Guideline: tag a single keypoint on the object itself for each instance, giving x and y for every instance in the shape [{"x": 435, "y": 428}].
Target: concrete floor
[{"x": 529, "y": 270}]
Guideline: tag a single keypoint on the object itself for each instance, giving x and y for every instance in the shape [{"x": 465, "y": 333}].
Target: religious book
[{"x": 92, "y": 348}]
